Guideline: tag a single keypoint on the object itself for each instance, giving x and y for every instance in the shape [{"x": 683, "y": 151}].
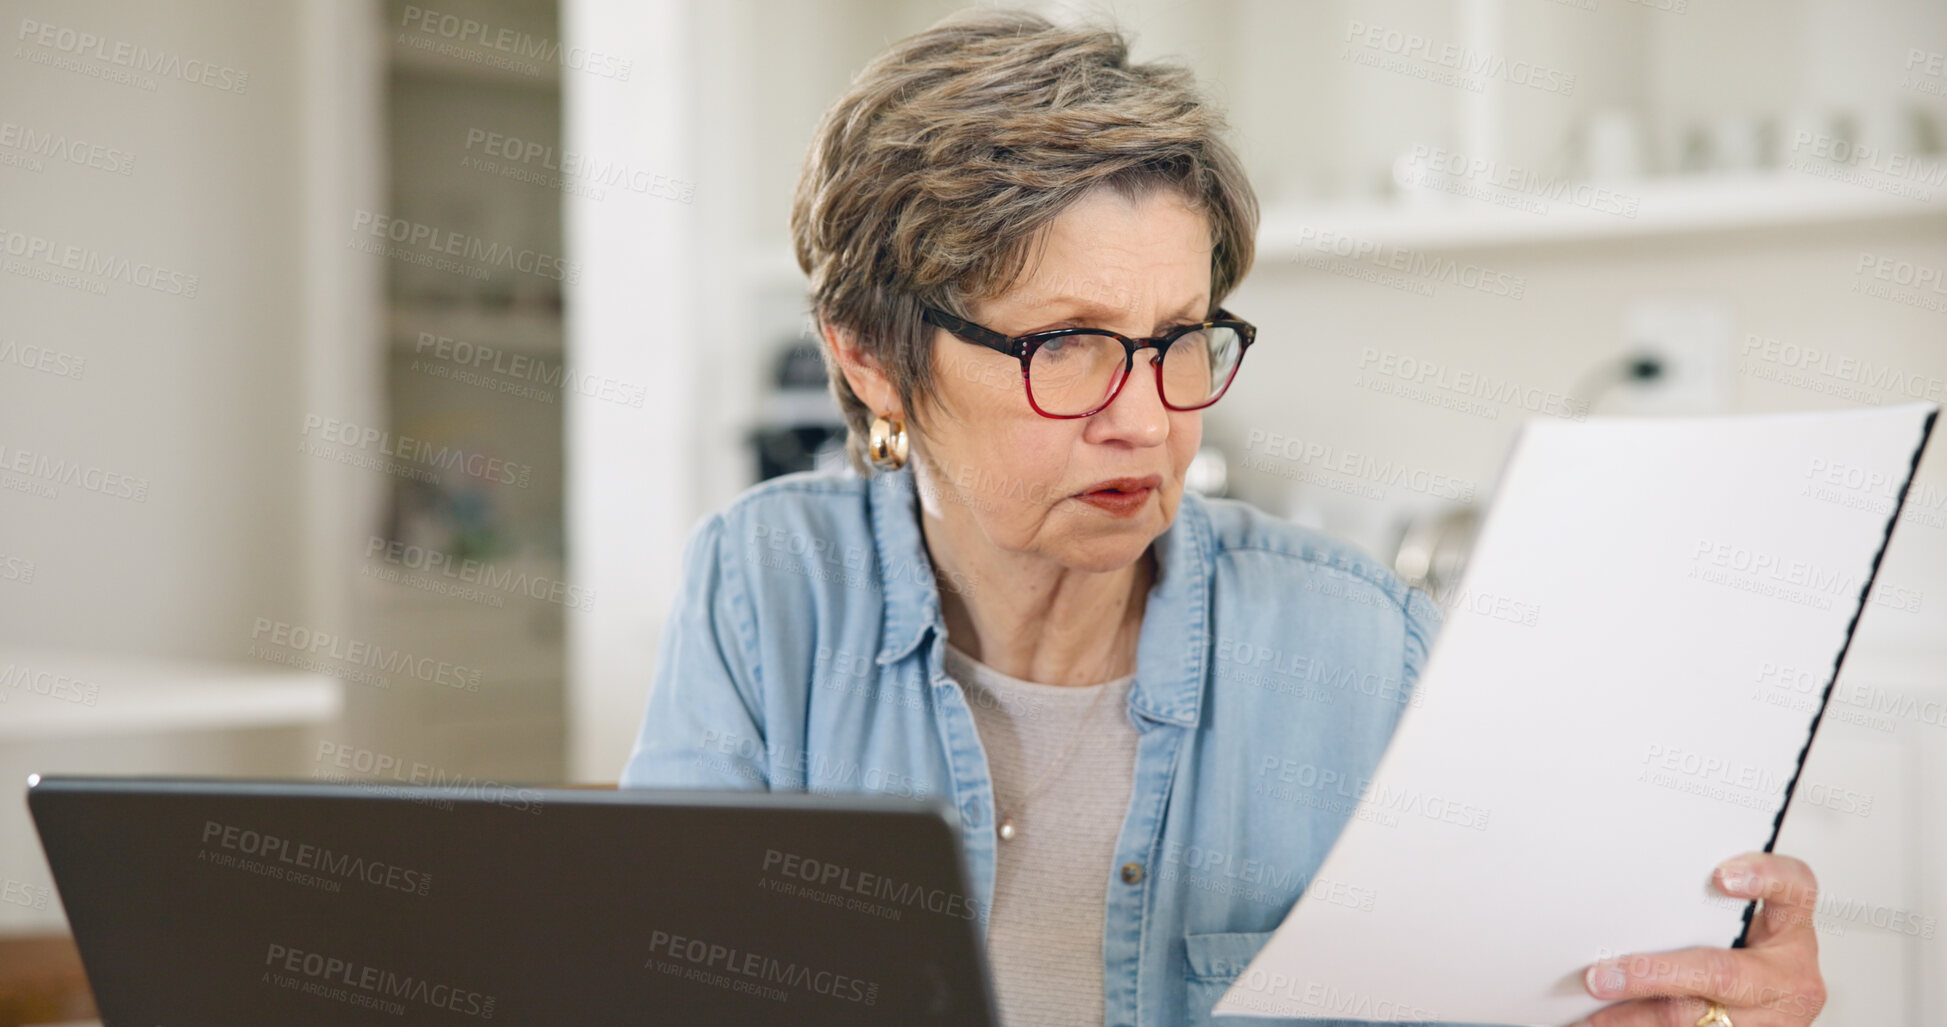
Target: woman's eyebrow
[{"x": 1076, "y": 308}]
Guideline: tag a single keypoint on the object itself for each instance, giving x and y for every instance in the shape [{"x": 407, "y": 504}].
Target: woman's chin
[{"x": 1105, "y": 545}]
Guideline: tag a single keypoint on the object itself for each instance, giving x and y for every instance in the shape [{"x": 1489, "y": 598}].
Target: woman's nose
[{"x": 1136, "y": 414}]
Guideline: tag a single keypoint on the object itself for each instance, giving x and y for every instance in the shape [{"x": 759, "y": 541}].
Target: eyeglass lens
[{"x": 1073, "y": 374}]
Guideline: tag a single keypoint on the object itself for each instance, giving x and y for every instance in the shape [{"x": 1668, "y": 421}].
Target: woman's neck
[{"x": 1033, "y": 619}]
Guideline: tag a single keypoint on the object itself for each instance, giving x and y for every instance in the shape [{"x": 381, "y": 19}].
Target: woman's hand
[{"x": 1772, "y": 982}]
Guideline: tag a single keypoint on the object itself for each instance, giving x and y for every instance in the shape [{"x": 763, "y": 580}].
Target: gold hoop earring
[{"x": 885, "y": 448}]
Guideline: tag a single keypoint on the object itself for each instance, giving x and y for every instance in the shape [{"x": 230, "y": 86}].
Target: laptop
[{"x": 298, "y": 903}]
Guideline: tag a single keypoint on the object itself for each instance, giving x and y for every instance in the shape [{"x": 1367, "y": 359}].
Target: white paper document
[{"x": 1626, "y": 684}]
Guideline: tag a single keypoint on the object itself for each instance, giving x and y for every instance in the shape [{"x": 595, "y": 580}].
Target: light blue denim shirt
[{"x": 805, "y": 654}]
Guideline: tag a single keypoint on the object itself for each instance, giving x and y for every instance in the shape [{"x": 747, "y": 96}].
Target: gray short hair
[{"x": 929, "y": 180}]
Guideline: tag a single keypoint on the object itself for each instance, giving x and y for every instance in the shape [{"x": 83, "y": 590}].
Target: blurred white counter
[{"x": 67, "y": 712}]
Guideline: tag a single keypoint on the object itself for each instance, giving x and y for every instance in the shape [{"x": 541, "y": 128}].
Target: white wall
[
  {"x": 177, "y": 390},
  {"x": 632, "y": 317},
  {"x": 199, "y": 397}
]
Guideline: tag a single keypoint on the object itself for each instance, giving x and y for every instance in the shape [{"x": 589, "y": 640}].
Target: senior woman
[{"x": 1019, "y": 243}]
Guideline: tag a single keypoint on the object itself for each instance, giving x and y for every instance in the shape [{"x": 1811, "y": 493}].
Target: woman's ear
[{"x": 861, "y": 371}]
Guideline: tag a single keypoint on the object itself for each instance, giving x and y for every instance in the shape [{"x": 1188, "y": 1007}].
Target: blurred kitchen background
[{"x": 380, "y": 329}]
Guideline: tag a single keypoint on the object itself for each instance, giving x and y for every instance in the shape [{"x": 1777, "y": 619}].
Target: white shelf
[
  {"x": 517, "y": 643},
  {"x": 524, "y": 329},
  {"x": 1429, "y": 221},
  {"x": 485, "y": 68},
  {"x": 1674, "y": 206},
  {"x": 149, "y": 696}
]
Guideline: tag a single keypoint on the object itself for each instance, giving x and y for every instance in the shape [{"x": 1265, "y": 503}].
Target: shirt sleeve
[{"x": 704, "y": 727}]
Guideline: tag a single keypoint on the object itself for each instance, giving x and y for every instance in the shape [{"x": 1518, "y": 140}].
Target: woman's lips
[{"x": 1121, "y": 497}]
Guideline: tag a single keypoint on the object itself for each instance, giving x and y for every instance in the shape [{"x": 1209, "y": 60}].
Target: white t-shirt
[{"x": 1044, "y": 932}]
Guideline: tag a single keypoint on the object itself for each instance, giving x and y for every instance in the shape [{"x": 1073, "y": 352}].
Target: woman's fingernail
[
  {"x": 1605, "y": 979},
  {"x": 1737, "y": 877}
]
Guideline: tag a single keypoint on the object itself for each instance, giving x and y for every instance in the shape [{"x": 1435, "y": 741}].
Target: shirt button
[
  {"x": 970, "y": 813},
  {"x": 1132, "y": 873}
]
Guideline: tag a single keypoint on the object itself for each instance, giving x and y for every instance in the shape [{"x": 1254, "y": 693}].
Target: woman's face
[{"x": 1089, "y": 492}]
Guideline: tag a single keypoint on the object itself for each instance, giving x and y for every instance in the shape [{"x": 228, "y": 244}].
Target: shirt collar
[
  {"x": 1171, "y": 651},
  {"x": 912, "y": 596}
]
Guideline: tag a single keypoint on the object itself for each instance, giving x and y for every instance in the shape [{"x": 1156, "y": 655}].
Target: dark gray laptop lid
[{"x": 224, "y": 902}]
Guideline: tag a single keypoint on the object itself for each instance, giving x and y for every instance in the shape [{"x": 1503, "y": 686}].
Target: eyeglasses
[{"x": 1075, "y": 372}]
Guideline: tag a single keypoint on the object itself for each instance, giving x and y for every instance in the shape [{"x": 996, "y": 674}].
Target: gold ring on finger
[{"x": 1715, "y": 1016}]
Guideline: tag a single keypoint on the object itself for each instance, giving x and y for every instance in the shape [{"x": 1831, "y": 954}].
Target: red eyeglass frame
[{"x": 1024, "y": 346}]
